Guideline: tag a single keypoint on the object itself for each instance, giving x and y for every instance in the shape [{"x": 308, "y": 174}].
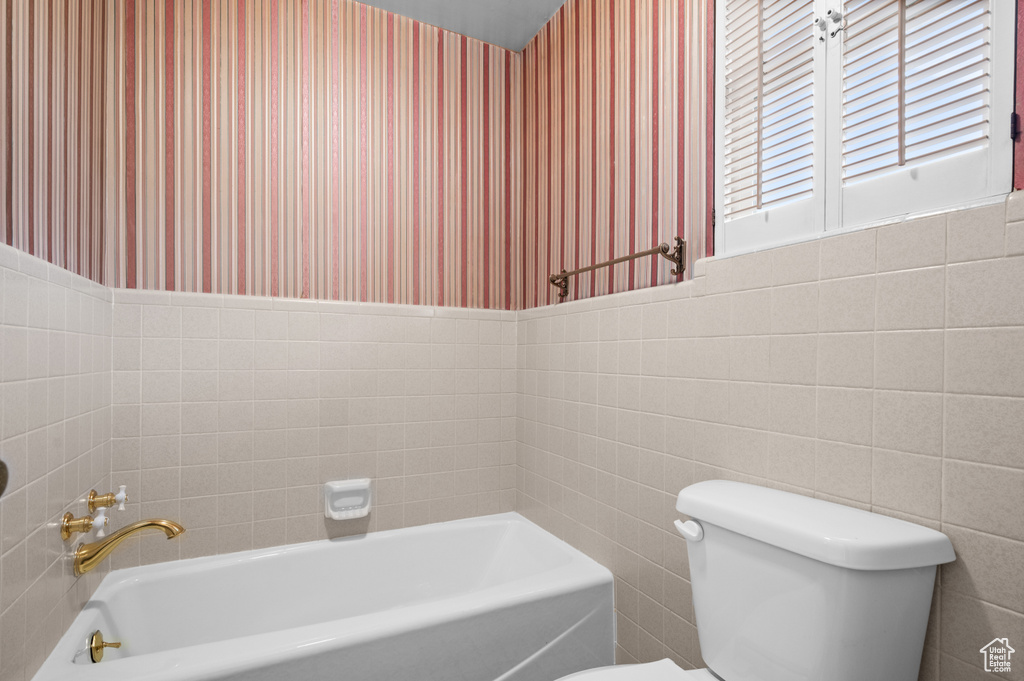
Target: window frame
[{"x": 1003, "y": 166}]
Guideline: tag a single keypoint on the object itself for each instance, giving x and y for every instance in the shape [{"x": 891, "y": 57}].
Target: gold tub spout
[{"x": 89, "y": 556}]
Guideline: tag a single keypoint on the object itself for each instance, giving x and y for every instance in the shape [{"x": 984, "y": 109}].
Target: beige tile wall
[
  {"x": 227, "y": 414},
  {"x": 55, "y": 439},
  {"x": 881, "y": 368},
  {"x": 230, "y": 412}
]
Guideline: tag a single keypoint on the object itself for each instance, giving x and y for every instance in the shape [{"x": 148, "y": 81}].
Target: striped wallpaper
[
  {"x": 614, "y": 150},
  {"x": 57, "y": 122},
  {"x": 329, "y": 150},
  {"x": 315, "y": 149}
]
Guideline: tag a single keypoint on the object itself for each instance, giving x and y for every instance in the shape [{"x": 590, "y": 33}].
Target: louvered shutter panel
[
  {"x": 917, "y": 107},
  {"x": 742, "y": 108},
  {"x": 768, "y": 114}
]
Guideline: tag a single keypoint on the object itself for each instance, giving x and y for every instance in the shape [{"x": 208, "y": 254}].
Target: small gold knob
[
  {"x": 69, "y": 524},
  {"x": 97, "y": 644}
]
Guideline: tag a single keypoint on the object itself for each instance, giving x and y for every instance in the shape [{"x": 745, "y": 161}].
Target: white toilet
[{"x": 789, "y": 588}]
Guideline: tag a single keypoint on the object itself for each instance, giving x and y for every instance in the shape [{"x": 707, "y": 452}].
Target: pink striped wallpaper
[
  {"x": 614, "y": 156},
  {"x": 328, "y": 150},
  {"x": 315, "y": 149},
  {"x": 57, "y": 188}
]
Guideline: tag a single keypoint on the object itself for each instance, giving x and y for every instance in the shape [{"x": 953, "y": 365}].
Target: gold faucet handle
[
  {"x": 97, "y": 644},
  {"x": 108, "y": 500},
  {"x": 69, "y": 524}
]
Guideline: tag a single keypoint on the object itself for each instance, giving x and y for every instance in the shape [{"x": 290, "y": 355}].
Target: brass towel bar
[{"x": 676, "y": 255}]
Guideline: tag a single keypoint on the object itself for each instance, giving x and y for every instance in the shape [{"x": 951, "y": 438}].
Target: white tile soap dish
[{"x": 347, "y": 499}]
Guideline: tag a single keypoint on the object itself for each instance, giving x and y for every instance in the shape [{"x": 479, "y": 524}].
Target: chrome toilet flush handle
[{"x": 691, "y": 530}]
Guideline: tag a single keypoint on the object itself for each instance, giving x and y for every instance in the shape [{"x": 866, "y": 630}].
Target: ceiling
[{"x": 507, "y": 23}]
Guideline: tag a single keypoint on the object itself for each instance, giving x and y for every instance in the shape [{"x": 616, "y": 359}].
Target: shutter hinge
[
  {"x": 1015, "y": 126},
  {"x": 712, "y": 217}
]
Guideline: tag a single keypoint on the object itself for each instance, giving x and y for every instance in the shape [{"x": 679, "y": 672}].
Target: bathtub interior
[{"x": 204, "y": 601}]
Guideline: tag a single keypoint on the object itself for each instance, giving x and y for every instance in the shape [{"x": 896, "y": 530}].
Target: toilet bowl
[{"x": 790, "y": 588}]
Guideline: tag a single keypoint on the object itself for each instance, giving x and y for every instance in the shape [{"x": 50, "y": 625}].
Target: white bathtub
[{"x": 478, "y": 599}]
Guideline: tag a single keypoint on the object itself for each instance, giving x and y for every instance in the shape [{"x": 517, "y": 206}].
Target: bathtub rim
[{"x": 124, "y": 576}]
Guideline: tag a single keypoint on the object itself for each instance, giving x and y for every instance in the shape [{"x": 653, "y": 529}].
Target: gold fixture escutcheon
[
  {"x": 97, "y": 644},
  {"x": 69, "y": 524}
]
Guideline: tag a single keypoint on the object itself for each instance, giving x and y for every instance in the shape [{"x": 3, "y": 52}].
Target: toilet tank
[{"x": 790, "y": 588}]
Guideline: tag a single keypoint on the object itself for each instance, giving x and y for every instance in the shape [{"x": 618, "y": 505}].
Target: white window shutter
[
  {"x": 879, "y": 110},
  {"x": 920, "y": 121},
  {"x": 769, "y": 82}
]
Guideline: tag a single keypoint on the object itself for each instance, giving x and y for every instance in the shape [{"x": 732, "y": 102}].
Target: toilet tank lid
[{"x": 834, "y": 534}]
